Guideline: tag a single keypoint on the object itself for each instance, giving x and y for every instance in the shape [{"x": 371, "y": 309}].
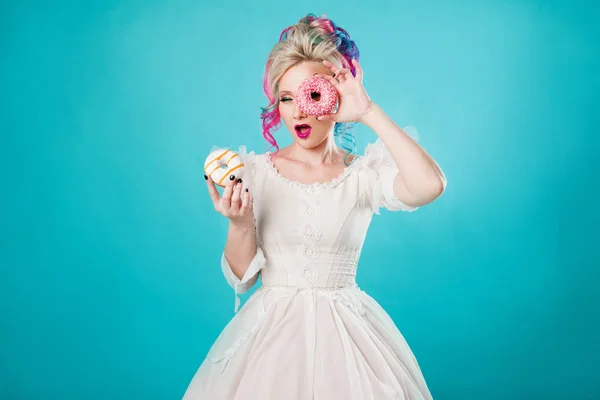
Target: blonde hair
[
  {"x": 304, "y": 42},
  {"x": 311, "y": 39}
]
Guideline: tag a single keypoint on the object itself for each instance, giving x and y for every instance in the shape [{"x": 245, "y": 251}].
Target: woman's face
[{"x": 305, "y": 130}]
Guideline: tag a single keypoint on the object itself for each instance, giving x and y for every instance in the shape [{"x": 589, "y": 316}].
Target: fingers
[
  {"x": 334, "y": 68},
  {"x": 327, "y": 117},
  {"x": 330, "y": 78},
  {"x": 236, "y": 200},
  {"x": 245, "y": 202},
  {"x": 359, "y": 70},
  {"x": 227, "y": 194},
  {"x": 341, "y": 74},
  {"x": 212, "y": 191}
]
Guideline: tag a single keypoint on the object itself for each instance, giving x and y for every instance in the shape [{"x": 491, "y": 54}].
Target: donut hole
[
  {"x": 316, "y": 96},
  {"x": 222, "y": 164}
]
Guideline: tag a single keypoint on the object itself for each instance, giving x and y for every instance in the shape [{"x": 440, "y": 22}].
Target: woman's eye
[{"x": 284, "y": 99}]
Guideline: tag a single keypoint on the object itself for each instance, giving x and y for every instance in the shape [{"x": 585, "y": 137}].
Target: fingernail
[
  {"x": 239, "y": 180},
  {"x": 232, "y": 177},
  {"x": 246, "y": 189},
  {"x": 205, "y": 177}
]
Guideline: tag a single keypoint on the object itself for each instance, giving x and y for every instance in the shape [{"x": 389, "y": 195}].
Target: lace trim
[{"x": 329, "y": 184}]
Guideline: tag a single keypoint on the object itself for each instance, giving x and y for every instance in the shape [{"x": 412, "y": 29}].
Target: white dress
[{"x": 309, "y": 332}]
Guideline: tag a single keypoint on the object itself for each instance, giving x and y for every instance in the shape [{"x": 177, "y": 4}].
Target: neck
[{"x": 324, "y": 153}]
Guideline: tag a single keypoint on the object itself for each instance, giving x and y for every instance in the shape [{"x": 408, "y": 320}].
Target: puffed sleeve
[
  {"x": 382, "y": 170},
  {"x": 241, "y": 286}
]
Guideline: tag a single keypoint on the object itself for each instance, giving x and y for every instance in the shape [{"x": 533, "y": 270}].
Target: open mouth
[{"x": 302, "y": 131}]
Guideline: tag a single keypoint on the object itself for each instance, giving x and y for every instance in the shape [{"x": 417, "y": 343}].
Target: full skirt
[{"x": 309, "y": 343}]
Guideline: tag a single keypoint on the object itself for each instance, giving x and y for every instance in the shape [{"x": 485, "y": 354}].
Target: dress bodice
[{"x": 311, "y": 235}]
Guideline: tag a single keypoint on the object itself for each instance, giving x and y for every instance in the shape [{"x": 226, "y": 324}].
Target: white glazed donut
[{"x": 222, "y": 163}]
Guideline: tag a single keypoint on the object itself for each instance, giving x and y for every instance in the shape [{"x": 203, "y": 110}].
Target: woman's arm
[
  {"x": 240, "y": 248},
  {"x": 241, "y": 259},
  {"x": 420, "y": 179}
]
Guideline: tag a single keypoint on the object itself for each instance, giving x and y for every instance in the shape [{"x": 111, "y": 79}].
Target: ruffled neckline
[{"x": 328, "y": 184}]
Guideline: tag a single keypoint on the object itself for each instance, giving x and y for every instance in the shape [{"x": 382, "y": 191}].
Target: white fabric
[
  {"x": 241, "y": 286},
  {"x": 309, "y": 332},
  {"x": 380, "y": 162}
]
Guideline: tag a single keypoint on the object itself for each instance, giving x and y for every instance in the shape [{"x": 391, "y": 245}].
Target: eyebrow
[{"x": 285, "y": 92}]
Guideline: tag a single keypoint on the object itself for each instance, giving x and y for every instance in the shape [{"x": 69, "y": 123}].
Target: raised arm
[{"x": 242, "y": 259}]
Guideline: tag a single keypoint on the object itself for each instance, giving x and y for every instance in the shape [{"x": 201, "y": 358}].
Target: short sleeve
[
  {"x": 381, "y": 171},
  {"x": 250, "y": 278}
]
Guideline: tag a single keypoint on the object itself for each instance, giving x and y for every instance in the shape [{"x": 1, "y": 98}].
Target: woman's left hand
[{"x": 354, "y": 102}]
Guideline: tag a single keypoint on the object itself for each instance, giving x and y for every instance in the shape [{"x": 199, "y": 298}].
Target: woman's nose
[{"x": 298, "y": 113}]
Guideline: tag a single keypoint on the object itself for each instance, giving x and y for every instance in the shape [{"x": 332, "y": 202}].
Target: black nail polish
[
  {"x": 239, "y": 180},
  {"x": 205, "y": 177},
  {"x": 246, "y": 189},
  {"x": 232, "y": 177}
]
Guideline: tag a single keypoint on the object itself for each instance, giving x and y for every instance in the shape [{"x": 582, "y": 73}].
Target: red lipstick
[{"x": 302, "y": 130}]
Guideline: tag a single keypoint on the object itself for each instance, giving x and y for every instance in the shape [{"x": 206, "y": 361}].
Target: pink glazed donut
[{"x": 316, "y": 96}]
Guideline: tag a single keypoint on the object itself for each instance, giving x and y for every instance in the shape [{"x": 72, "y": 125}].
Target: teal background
[{"x": 110, "y": 283}]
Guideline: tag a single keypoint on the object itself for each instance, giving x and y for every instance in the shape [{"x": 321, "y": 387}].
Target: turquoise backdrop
[{"x": 110, "y": 284}]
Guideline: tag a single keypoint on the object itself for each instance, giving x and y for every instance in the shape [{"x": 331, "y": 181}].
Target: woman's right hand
[{"x": 233, "y": 204}]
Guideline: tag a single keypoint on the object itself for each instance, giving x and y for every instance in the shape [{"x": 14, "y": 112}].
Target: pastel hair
[{"x": 313, "y": 38}]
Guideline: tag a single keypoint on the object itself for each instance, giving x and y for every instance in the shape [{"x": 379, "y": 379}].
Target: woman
[{"x": 299, "y": 219}]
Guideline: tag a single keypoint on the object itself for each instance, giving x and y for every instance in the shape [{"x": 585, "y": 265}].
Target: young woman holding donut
[{"x": 298, "y": 218}]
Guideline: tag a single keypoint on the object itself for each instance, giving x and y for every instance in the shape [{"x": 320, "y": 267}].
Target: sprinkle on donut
[{"x": 316, "y": 96}]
